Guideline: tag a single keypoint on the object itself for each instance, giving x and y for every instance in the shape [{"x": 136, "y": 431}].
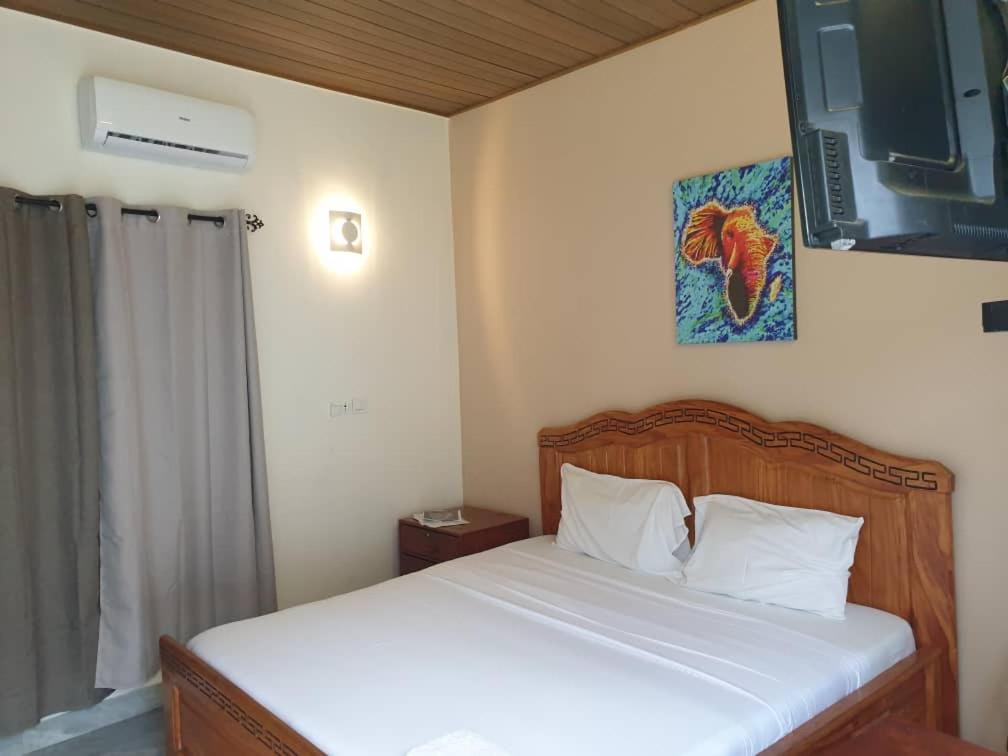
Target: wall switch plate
[
  {"x": 359, "y": 406},
  {"x": 339, "y": 409}
]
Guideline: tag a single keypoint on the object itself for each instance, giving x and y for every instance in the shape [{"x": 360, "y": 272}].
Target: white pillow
[
  {"x": 634, "y": 523},
  {"x": 799, "y": 558}
]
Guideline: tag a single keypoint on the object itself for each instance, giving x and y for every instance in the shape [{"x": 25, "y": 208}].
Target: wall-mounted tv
[{"x": 899, "y": 121}]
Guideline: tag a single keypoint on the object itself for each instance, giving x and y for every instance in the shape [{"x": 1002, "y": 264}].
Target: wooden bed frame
[{"x": 903, "y": 563}]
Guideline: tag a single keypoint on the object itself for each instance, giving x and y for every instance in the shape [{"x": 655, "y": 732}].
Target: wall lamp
[{"x": 345, "y": 232}]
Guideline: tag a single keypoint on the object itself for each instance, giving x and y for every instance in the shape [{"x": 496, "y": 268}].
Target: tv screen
[{"x": 899, "y": 123}]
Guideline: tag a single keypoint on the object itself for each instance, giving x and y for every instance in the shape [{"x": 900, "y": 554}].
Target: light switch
[
  {"x": 338, "y": 409},
  {"x": 359, "y": 406}
]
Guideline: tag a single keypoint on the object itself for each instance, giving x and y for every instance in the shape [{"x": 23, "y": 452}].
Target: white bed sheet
[{"x": 543, "y": 651}]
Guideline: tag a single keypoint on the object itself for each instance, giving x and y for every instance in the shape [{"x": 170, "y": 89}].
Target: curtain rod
[{"x": 252, "y": 222}]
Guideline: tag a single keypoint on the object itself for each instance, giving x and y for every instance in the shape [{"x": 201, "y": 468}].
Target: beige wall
[
  {"x": 385, "y": 331},
  {"x": 563, "y": 242}
]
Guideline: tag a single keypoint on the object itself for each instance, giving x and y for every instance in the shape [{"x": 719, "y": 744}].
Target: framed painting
[{"x": 734, "y": 255}]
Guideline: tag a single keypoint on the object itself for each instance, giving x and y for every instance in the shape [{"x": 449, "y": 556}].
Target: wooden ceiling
[{"x": 441, "y": 56}]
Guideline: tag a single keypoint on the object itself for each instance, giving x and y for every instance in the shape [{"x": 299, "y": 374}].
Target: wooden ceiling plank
[
  {"x": 525, "y": 15},
  {"x": 665, "y": 13},
  {"x": 80, "y": 13},
  {"x": 704, "y": 7},
  {"x": 299, "y": 11},
  {"x": 440, "y": 56},
  {"x": 602, "y": 17},
  {"x": 667, "y": 33},
  {"x": 180, "y": 19},
  {"x": 318, "y": 39},
  {"x": 448, "y": 13},
  {"x": 423, "y": 27}
]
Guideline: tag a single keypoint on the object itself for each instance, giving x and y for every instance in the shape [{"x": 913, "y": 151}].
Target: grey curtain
[
  {"x": 48, "y": 463},
  {"x": 185, "y": 530}
]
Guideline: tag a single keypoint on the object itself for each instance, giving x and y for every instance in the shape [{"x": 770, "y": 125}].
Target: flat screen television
[{"x": 899, "y": 123}]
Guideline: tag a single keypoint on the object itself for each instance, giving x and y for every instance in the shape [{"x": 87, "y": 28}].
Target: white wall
[
  {"x": 385, "y": 330},
  {"x": 564, "y": 265}
]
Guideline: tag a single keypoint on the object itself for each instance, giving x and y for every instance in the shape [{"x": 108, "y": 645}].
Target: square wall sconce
[{"x": 345, "y": 232}]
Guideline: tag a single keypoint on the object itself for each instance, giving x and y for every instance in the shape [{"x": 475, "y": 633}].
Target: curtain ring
[
  {"x": 153, "y": 216},
  {"x": 56, "y": 205},
  {"x": 219, "y": 222},
  {"x": 92, "y": 212}
]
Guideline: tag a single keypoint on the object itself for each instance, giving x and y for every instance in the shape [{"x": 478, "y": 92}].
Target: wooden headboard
[{"x": 903, "y": 564}]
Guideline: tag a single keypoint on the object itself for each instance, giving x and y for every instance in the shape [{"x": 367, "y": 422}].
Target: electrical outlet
[{"x": 359, "y": 406}]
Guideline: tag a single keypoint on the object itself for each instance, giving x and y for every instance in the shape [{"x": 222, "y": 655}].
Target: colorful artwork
[{"x": 734, "y": 257}]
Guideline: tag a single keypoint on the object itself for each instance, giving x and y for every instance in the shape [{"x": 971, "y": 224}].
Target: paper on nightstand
[{"x": 440, "y": 518}]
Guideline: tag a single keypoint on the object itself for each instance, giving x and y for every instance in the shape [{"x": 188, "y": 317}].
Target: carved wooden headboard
[{"x": 903, "y": 563}]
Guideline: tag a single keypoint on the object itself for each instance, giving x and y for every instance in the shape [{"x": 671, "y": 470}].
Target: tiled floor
[
  {"x": 139, "y": 736},
  {"x": 61, "y": 728}
]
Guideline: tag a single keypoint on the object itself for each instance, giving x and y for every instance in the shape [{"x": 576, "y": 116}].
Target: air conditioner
[{"x": 135, "y": 121}]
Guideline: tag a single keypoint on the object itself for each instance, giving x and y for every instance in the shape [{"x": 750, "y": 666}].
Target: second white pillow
[
  {"x": 798, "y": 558},
  {"x": 639, "y": 524}
]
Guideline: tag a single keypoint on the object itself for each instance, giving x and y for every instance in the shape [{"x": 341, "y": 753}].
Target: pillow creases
[
  {"x": 788, "y": 556},
  {"x": 639, "y": 524}
]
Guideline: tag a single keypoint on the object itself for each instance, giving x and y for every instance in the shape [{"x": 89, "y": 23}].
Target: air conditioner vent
[{"x": 174, "y": 145}]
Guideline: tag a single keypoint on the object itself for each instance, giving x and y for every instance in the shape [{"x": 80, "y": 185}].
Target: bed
[{"x": 539, "y": 650}]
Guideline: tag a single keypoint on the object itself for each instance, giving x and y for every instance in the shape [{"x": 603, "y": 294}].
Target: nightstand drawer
[
  {"x": 427, "y": 544},
  {"x": 408, "y": 564}
]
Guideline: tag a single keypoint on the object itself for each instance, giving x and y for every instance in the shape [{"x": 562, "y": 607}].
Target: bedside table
[
  {"x": 420, "y": 547},
  {"x": 894, "y": 737}
]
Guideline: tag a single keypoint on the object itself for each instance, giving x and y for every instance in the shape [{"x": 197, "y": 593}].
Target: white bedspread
[{"x": 541, "y": 651}]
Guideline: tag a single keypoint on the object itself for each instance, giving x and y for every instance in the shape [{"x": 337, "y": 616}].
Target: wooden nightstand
[
  {"x": 421, "y": 547},
  {"x": 894, "y": 737}
]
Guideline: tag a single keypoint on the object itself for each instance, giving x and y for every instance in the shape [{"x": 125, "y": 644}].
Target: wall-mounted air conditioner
[{"x": 135, "y": 121}]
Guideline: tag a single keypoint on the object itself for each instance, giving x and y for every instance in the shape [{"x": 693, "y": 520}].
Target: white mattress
[{"x": 541, "y": 651}]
